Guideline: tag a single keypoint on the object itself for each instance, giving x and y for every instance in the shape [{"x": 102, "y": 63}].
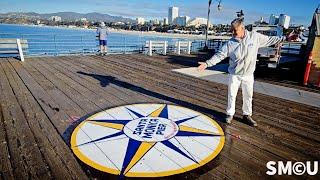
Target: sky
[{"x": 300, "y": 10}]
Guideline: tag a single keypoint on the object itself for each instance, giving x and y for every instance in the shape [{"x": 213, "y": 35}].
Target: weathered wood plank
[
  {"x": 50, "y": 142},
  {"x": 170, "y": 92},
  {"x": 52, "y": 109},
  {"x": 27, "y": 159},
  {"x": 68, "y": 66},
  {"x": 120, "y": 72},
  {"x": 6, "y": 171},
  {"x": 112, "y": 90},
  {"x": 268, "y": 117},
  {"x": 121, "y": 79},
  {"x": 134, "y": 62}
]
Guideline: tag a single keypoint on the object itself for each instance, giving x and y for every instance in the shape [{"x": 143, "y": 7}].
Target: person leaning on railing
[
  {"x": 102, "y": 32},
  {"x": 242, "y": 49}
]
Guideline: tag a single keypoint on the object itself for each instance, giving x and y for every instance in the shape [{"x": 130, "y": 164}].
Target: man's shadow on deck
[{"x": 106, "y": 80}]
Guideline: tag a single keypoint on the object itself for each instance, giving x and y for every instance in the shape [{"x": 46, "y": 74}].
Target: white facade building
[
  {"x": 273, "y": 20},
  {"x": 165, "y": 21},
  {"x": 155, "y": 22},
  {"x": 284, "y": 21},
  {"x": 55, "y": 18},
  {"x": 140, "y": 20},
  {"x": 172, "y": 14},
  {"x": 182, "y": 20},
  {"x": 198, "y": 22}
]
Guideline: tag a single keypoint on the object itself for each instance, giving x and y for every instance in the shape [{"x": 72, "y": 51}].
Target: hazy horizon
[{"x": 158, "y": 10}]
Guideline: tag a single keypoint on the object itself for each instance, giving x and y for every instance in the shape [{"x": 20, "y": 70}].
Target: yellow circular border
[{"x": 95, "y": 165}]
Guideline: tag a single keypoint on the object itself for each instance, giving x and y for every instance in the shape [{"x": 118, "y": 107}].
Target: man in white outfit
[{"x": 242, "y": 50}]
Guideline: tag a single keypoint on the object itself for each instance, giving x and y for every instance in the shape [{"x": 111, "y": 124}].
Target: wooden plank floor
[{"x": 41, "y": 98}]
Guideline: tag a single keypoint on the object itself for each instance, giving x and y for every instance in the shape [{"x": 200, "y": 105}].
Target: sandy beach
[
  {"x": 169, "y": 35},
  {"x": 139, "y": 33}
]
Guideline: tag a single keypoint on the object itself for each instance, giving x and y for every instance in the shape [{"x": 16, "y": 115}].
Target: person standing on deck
[
  {"x": 102, "y": 32},
  {"x": 242, "y": 50}
]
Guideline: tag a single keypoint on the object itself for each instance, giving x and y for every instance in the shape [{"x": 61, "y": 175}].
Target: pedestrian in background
[{"x": 102, "y": 32}]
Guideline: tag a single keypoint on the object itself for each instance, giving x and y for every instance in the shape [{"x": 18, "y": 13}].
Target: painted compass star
[{"x": 148, "y": 144}]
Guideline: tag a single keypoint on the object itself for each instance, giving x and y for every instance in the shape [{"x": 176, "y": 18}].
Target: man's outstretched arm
[
  {"x": 215, "y": 59},
  {"x": 265, "y": 41}
]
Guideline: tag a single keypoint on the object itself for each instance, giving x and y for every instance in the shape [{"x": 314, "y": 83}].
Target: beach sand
[{"x": 169, "y": 35}]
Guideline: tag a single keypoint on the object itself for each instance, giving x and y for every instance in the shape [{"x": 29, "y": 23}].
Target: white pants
[{"x": 247, "y": 92}]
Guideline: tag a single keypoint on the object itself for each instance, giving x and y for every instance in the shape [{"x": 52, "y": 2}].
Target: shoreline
[
  {"x": 130, "y": 32},
  {"x": 169, "y": 35}
]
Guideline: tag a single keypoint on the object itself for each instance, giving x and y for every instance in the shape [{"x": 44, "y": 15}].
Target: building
[
  {"x": 284, "y": 21},
  {"x": 83, "y": 19},
  {"x": 165, "y": 21},
  {"x": 155, "y": 22},
  {"x": 273, "y": 20},
  {"x": 172, "y": 14},
  {"x": 182, "y": 20},
  {"x": 198, "y": 22},
  {"x": 260, "y": 22},
  {"x": 118, "y": 23},
  {"x": 55, "y": 18},
  {"x": 140, "y": 20}
]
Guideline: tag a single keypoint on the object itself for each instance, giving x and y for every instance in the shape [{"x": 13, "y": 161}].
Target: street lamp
[{"x": 219, "y": 8}]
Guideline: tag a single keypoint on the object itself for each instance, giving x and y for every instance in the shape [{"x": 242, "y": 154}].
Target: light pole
[{"x": 219, "y": 8}]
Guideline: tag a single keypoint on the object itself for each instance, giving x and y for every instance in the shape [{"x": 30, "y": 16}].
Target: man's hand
[{"x": 202, "y": 66}]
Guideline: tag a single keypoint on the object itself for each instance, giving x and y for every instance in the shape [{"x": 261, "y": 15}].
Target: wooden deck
[{"x": 42, "y": 97}]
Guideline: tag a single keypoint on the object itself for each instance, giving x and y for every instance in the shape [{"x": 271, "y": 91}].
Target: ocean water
[{"x": 58, "y": 41}]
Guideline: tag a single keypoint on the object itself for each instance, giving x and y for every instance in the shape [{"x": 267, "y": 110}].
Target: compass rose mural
[{"x": 147, "y": 140}]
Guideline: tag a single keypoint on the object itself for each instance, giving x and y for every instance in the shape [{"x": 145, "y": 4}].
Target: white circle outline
[{"x": 95, "y": 165}]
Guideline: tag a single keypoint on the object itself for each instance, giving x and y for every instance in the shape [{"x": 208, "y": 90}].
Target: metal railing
[
  {"x": 53, "y": 44},
  {"x": 59, "y": 44}
]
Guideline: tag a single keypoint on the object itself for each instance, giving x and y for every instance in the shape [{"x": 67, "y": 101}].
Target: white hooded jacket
[{"x": 243, "y": 52}]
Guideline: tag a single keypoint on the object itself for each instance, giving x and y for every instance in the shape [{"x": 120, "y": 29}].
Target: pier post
[
  {"x": 189, "y": 47},
  {"x": 165, "y": 48},
  {"x": 55, "y": 45},
  {"x": 150, "y": 48},
  {"x": 125, "y": 45},
  {"x": 82, "y": 47},
  {"x": 20, "y": 50},
  {"x": 178, "y": 48}
]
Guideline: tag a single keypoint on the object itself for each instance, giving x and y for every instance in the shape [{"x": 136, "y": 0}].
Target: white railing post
[
  {"x": 19, "y": 47},
  {"x": 165, "y": 48},
  {"x": 150, "y": 48},
  {"x": 189, "y": 47},
  {"x": 178, "y": 48}
]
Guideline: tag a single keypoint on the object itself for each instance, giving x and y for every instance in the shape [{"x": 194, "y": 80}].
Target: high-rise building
[
  {"x": 165, "y": 21},
  {"x": 173, "y": 13},
  {"x": 273, "y": 20},
  {"x": 156, "y": 22},
  {"x": 140, "y": 20},
  {"x": 182, "y": 20},
  {"x": 284, "y": 21}
]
